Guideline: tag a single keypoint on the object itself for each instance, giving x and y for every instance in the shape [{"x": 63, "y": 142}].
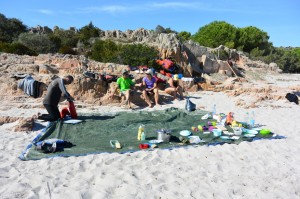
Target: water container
[
  {"x": 252, "y": 119},
  {"x": 143, "y": 136},
  {"x": 246, "y": 118},
  {"x": 213, "y": 110},
  {"x": 141, "y": 129}
]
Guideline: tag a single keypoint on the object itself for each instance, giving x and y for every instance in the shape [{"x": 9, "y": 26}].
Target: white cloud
[
  {"x": 176, "y": 5},
  {"x": 44, "y": 11},
  {"x": 110, "y": 9}
]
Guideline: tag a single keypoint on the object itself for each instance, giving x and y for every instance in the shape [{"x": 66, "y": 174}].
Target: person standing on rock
[{"x": 55, "y": 89}]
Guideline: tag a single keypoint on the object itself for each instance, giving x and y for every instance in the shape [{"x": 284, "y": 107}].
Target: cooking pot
[{"x": 163, "y": 134}]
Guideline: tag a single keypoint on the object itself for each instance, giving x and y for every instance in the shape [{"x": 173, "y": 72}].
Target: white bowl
[
  {"x": 217, "y": 132},
  {"x": 237, "y": 130},
  {"x": 185, "y": 133}
]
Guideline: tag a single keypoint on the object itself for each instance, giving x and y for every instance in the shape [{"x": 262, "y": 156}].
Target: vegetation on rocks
[{"x": 15, "y": 37}]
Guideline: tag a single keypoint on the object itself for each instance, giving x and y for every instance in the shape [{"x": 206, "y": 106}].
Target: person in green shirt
[{"x": 125, "y": 85}]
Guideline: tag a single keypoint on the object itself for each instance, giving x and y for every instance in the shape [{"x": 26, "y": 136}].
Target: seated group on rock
[
  {"x": 126, "y": 87},
  {"x": 149, "y": 87}
]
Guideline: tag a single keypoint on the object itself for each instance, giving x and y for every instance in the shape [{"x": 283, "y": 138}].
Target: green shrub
[
  {"x": 16, "y": 48},
  {"x": 67, "y": 50}
]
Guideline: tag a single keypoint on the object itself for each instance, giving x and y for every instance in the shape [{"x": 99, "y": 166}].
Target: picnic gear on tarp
[
  {"x": 163, "y": 134},
  {"x": 94, "y": 133}
]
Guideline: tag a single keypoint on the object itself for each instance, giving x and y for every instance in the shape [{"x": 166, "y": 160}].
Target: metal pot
[{"x": 163, "y": 134}]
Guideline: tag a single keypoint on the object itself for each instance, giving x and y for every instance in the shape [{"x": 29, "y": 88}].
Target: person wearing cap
[
  {"x": 125, "y": 84},
  {"x": 149, "y": 82},
  {"x": 174, "y": 87}
]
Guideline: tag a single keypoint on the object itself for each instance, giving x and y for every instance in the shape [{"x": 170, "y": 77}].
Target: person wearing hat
[
  {"x": 174, "y": 87},
  {"x": 149, "y": 82},
  {"x": 125, "y": 84}
]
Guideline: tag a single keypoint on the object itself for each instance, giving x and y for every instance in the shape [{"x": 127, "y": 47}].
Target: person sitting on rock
[
  {"x": 149, "y": 82},
  {"x": 125, "y": 85},
  {"x": 173, "y": 87}
]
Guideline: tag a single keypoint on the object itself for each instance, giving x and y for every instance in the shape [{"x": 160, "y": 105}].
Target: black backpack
[{"x": 292, "y": 98}]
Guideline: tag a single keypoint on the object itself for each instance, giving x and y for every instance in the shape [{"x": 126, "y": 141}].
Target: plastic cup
[
  {"x": 194, "y": 128},
  {"x": 200, "y": 128}
]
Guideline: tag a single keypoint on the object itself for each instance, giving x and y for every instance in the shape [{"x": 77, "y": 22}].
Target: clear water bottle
[
  {"x": 214, "y": 110},
  {"x": 141, "y": 129},
  {"x": 143, "y": 136},
  {"x": 252, "y": 119},
  {"x": 246, "y": 119}
]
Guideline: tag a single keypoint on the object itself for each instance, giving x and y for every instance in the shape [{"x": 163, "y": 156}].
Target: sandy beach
[{"x": 258, "y": 169}]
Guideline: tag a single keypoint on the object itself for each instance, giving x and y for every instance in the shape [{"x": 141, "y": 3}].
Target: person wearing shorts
[
  {"x": 149, "y": 82},
  {"x": 125, "y": 84},
  {"x": 174, "y": 87}
]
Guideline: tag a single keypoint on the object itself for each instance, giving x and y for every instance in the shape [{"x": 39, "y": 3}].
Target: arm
[
  {"x": 171, "y": 83},
  {"x": 64, "y": 90}
]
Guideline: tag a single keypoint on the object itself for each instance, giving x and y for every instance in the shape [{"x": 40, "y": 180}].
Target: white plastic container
[{"x": 217, "y": 132}]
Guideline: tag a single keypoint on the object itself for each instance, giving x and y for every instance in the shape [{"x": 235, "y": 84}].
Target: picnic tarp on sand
[{"x": 94, "y": 134}]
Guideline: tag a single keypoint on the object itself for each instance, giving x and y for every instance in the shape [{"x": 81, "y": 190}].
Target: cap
[
  {"x": 124, "y": 71},
  {"x": 175, "y": 77},
  {"x": 149, "y": 71}
]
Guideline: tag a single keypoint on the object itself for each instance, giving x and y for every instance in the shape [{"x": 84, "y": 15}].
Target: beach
[{"x": 259, "y": 169}]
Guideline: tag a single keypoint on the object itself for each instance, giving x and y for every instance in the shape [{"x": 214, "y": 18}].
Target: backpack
[
  {"x": 189, "y": 106},
  {"x": 292, "y": 98}
]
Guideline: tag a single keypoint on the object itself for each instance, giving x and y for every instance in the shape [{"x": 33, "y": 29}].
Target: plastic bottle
[
  {"x": 252, "y": 119},
  {"x": 246, "y": 119},
  {"x": 213, "y": 110},
  {"x": 141, "y": 129},
  {"x": 143, "y": 136}
]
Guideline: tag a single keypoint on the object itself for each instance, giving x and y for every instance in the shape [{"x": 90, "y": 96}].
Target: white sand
[{"x": 259, "y": 169}]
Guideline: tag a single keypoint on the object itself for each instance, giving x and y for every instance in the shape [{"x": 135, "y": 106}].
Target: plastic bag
[{"x": 189, "y": 106}]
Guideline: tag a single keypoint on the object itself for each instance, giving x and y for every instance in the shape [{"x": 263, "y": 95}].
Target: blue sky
[{"x": 279, "y": 18}]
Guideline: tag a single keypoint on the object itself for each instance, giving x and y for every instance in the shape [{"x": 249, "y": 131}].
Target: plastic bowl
[
  {"x": 185, "y": 133},
  {"x": 254, "y": 132},
  {"x": 265, "y": 132},
  {"x": 217, "y": 132},
  {"x": 237, "y": 130}
]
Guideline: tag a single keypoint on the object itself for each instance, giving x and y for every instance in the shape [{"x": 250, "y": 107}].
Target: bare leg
[
  {"x": 171, "y": 91},
  {"x": 179, "y": 90},
  {"x": 156, "y": 96},
  {"x": 146, "y": 97},
  {"x": 128, "y": 98}
]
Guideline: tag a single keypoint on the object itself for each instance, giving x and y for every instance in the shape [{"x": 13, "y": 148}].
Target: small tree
[
  {"x": 105, "y": 51},
  {"x": 138, "y": 54},
  {"x": 38, "y": 43}
]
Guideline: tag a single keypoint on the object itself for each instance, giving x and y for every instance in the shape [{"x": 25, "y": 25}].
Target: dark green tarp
[{"x": 93, "y": 135}]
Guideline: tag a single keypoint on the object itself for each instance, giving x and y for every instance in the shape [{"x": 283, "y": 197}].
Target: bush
[
  {"x": 138, "y": 54},
  {"x": 16, "y": 48},
  {"x": 67, "y": 50},
  {"x": 38, "y": 43}
]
